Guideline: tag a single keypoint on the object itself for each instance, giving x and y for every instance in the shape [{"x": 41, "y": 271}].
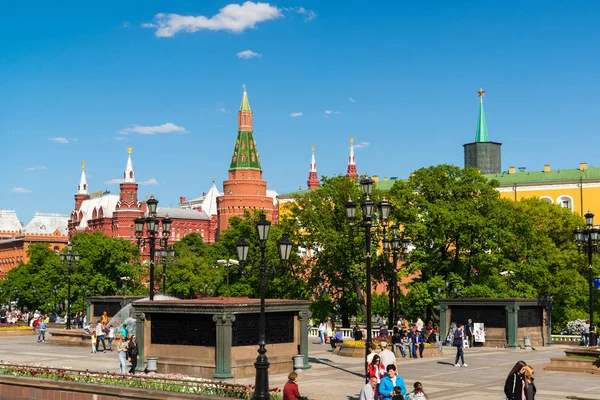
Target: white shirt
[
  {"x": 387, "y": 358},
  {"x": 322, "y": 327},
  {"x": 99, "y": 331},
  {"x": 111, "y": 332},
  {"x": 419, "y": 324}
]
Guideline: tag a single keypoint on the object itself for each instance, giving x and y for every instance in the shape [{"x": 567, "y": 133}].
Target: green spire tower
[
  {"x": 245, "y": 154},
  {"x": 483, "y": 154},
  {"x": 482, "y": 133}
]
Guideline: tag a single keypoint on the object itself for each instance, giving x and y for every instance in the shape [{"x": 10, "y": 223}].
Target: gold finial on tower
[
  {"x": 351, "y": 140},
  {"x": 244, "y": 86},
  {"x": 481, "y": 93},
  {"x": 146, "y": 196},
  {"x": 312, "y": 148},
  {"x": 213, "y": 179},
  {"x": 83, "y": 165},
  {"x": 129, "y": 150}
]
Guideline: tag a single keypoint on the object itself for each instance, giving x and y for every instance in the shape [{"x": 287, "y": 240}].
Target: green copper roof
[
  {"x": 245, "y": 155},
  {"x": 245, "y": 106},
  {"x": 540, "y": 177},
  {"x": 482, "y": 133}
]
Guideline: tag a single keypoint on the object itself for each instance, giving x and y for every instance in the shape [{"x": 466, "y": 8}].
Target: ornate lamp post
[
  {"x": 368, "y": 206},
  {"x": 385, "y": 207},
  {"x": 587, "y": 240},
  {"x": 151, "y": 234},
  {"x": 72, "y": 261},
  {"x": 263, "y": 226},
  {"x": 228, "y": 263}
]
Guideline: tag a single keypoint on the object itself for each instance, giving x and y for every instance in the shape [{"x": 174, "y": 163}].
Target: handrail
[{"x": 566, "y": 338}]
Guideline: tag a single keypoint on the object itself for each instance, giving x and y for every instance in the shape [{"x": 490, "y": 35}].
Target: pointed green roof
[
  {"x": 482, "y": 133},
  {"x": 245, "y": 154},
  {"x": 245, "y": 106}
]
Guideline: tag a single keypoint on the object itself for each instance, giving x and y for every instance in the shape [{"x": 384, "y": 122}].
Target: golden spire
[
  {"x": 83, "y": 165},
  {"x": 312, "y": 148},
  {"x": 481, "y": 93},
  {"x": 129, "y": 150},
  {"x": 351, "y": 140},
  {"x": 244, "y": 86}
]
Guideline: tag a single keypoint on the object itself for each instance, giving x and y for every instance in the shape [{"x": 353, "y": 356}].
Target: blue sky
[{"x": 400, "y": 77}]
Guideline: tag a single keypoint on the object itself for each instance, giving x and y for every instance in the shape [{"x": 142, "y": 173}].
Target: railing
[
  {"x": 566, "y": 338},
  {"x": 346, "y": 332}
]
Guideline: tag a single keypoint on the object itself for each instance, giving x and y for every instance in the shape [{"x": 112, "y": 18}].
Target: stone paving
[{"x": 333, "y": 377}]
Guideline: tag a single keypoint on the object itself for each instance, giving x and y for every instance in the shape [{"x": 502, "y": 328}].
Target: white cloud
[
  {"x": 152, "y": 130},
  {"x": 246, "y": 54},
  {"x": 223, "y": 110},
  {"x": 148, "y": 25},
  {"x": 20, "y": 190},
  {"x": 233, "y": 18},
  {"x": 351, "y": 100},
  {"x": 309, "y": 15},
  {"x": 36, "y": 168},
  {"x": 114, "y": 181},
  {"x": 329, "y": 112},
  {"x": 150, "y": 181},
  {"x": 126, "y": 24},
  {"x": 60, "y": 140},
  {"x": 296, "y": 114},
  {"x": 120, "y": 138},
  {"x": 361, "y": 145}
]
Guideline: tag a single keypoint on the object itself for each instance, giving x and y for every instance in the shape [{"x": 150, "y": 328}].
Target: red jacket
[{"x": 290, "y": 391}]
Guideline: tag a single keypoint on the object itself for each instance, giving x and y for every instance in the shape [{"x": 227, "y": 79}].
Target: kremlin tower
[
  {"x": 128, "y": 208},
  {"x": 245, "y": 188},
  {"x": 351, "y": 172},
  {"x": 313, "y": 178}
]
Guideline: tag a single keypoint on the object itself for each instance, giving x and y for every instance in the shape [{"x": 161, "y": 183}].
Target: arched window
[
  {"x": 547, "y": 199},
  {"x": 565, "y": 202}
]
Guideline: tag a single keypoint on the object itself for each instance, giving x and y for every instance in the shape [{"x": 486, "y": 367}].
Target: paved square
[{"x": 334, "y": 377}]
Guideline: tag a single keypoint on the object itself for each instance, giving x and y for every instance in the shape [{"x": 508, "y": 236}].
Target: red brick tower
[
  {"x": 351, "y": 172},
  {"x": 245, "y": 188},
  {"x": 128, "y": 208},
  {"x": 313, "y": 178}
]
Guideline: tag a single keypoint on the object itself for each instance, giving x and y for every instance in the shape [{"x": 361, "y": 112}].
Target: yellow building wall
[{"x": 582, "y": 200}]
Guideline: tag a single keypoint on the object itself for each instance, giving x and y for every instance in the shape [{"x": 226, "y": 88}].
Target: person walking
[
  {"x": 111, "y": 337},
  {"x": 100, "y": 336},
  {"x": 514, "y": 384},
  {"x": 387, "y": 357},
  {"x": 133, "y": 353},
  {"x": 470, "y": 332},
  {"x": 459, "y": 336},
  {"x": 42, "y": 330},
  {"x": 529, "y": 385},
  {"x": 93, "y": 338},
  {"x": 389, "y": 382},
  {"x": 375, "y": 368},
  {"x": 290, "y": 389},
  {"x": 417, "y": 393},
  {"x": 122, "y": 348},
  {"x": 369, "y": 391},
  {"x": 322, "y": 332}
]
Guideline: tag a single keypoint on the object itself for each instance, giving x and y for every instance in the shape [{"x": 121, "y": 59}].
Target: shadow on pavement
[
  {"x": 328, "y": 362},
  {"x": 445, "y": 363}
]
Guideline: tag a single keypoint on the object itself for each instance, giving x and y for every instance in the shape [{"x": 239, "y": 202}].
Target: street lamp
[
  {"x": 72, "y": 260},
  {"x": 55, "y": 292},
  {"x": 165, "y": 253},
  {"x": 587, "y": 240},
  {"x": 33, "y": 292},
  {"x": 228, "y": 263},
  {"x": 367, "y": 206},
  {"x": 151, "y": 233},
  {"x": 284, "y": 246},
  {"x": 385, "y": 207}
]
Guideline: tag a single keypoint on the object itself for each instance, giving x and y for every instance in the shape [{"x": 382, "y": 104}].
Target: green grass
[{"x": 591, "y": 358}]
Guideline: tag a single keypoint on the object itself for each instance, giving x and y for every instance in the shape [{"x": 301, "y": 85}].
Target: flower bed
[
  {"x": 13, "y": 327},
  {"x": 171, "y": 383}
]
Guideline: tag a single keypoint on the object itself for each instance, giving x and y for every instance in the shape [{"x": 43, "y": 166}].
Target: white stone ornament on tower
[
  {"x": 82, "y": 188},
  {"x": 129, "y": 176}
]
